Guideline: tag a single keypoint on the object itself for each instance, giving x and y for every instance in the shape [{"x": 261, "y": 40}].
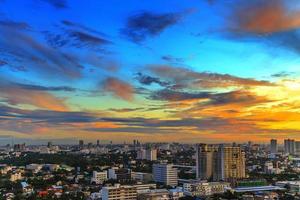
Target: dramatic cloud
[
  {"x": 15, "y": 95},
  {"x": 183, "y": 78},
  {"x": 171, "y": 95},
  {"x": 46, "y": 88},
  {"x": 148, "y": 80},
  {"x": 146, "y": 24},
  {"x": 25, "y": 50},
  {"x": 119, "y": 88},
  {"x": 273, "y": 23},
  {"x": 77, "y": 35},
  {"x": 264, "y": 16}
]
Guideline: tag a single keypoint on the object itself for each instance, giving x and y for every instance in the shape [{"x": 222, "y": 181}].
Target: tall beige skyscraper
[
  {"x": 204, "y": 162},
  {"x": 229, "y": 163}
]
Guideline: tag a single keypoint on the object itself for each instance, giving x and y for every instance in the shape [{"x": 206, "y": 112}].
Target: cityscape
[
  {"x": 150, "y": 100},
  {"x": 138, "y": 170}
]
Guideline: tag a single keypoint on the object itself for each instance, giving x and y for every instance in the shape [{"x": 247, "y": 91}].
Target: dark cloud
[
  {"x": 25, "y": 50},
  {"x": 14, "y": 24},
  {"x": 148, "y": 80},
  {"x": 146, "y": 24},
  {"x": 185, "y": 78},
  {"x": 281, "y": 74},
  {"x": 77, "y": 35},
  {"x": 172, "y": 59},
  {"x": 2, "y": 63},
  {"x": 46, "y": 88},
  {"x": 125, "y": 110},
  {"x": 171, "y": 95},
  {"x": 58, "y": 4}
]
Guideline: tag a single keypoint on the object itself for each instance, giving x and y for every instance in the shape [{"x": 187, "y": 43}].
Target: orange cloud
[
  {"x": 41, "y": 99},
  {"x": 266, "y": 17},
  {"x": 119, "y": 88}
]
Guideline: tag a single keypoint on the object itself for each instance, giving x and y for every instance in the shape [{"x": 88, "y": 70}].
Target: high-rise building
[
  {"x": 151, "y": 154},
  {"x": 289, "y": 146},
  {"x": 98, "y": 143},
  {"x": 49, "y": 145},
  {"x": 229, "y": 163},
  {"x": 204, "y": 162},
  {"x": 141, "y": 154},
  {"x": 81, "y": 143},
  {"x": 273, "y": 146},
  {"x": 297, "y": 147},
  {"x": 165, "y": 173}
]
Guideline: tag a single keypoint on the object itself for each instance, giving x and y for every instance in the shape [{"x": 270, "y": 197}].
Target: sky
[{"x": 161, "y": 71}]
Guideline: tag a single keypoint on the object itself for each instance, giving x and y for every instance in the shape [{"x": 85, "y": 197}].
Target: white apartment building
[
  {"x": 165, "y": 173},
  {"x": 204, "y": 188},
  {"x": 99, "y": 177}
]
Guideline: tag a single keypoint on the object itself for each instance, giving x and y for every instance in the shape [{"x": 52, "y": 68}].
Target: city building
[
  {"x": 229, "y": 163},
  {"x": 202, "y": 188},
  {"x": 273, "y": 146},
  {"x": 81, "y": 143},
  {"x": 141, "y": 154},
  {"x": 141, "y": 177},
  {"x": 157, "y": 194},
  {"x": 204, "y": 162},
  {"x": 99, "y": 177},
  {"x": 151, "y": 154},
  {"x": 165, "y": 174},
  {"x": 297, "y": 148},
  {"x": 289, "y": 146},
  {"x": 118, "y": 192}
]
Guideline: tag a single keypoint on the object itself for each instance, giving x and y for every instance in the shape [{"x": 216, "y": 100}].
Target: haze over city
[{"x": 184, "y": 71}]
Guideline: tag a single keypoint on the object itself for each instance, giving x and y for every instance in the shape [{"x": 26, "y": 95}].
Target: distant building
[
  {"x": 297, "y": 147},
  {"x": 99, "y": 177},
  {"x": 273, "y": 146},
  {"x": 289, "y": 146},
  {"x": 141, "y": 177},
  {"x": 81, "y": 143},
  {"x": 151, "y": 154},
  {"x": 165, "y": 173},
  {"x": 141, "y": 154}
]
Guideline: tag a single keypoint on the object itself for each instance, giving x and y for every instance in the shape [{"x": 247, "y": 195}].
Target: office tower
[
  {"x": 98, "y": 143},
  {"x": 273, "y": 146},
  {"x": 289, "y": 146},
  {"x": 151, "y": 154},
  {"x": 165, "y": 173},
  {"x": 49, "y": 145},
  {"x": 297, "y": 147},
  {"x": 119, "y": 192},
  {"x": 81, "y": 143},
  {"x": 141, "y": 154},
  {"x": 204, "y": 162},
  {"x": 229, "y": 163}
]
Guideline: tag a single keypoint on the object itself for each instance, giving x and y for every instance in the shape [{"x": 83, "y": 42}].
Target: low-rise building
[
  {"x": 204, "y": 188},
  {"x": 99, "y": 177},
  {"x": 118, "y": 192}
]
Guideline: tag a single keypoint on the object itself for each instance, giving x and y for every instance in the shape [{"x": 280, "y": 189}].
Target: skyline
[{"x": 159, "y": 71}]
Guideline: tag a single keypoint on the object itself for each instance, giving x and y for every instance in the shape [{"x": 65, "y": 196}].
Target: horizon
[{"x": 199, "y": 71}]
